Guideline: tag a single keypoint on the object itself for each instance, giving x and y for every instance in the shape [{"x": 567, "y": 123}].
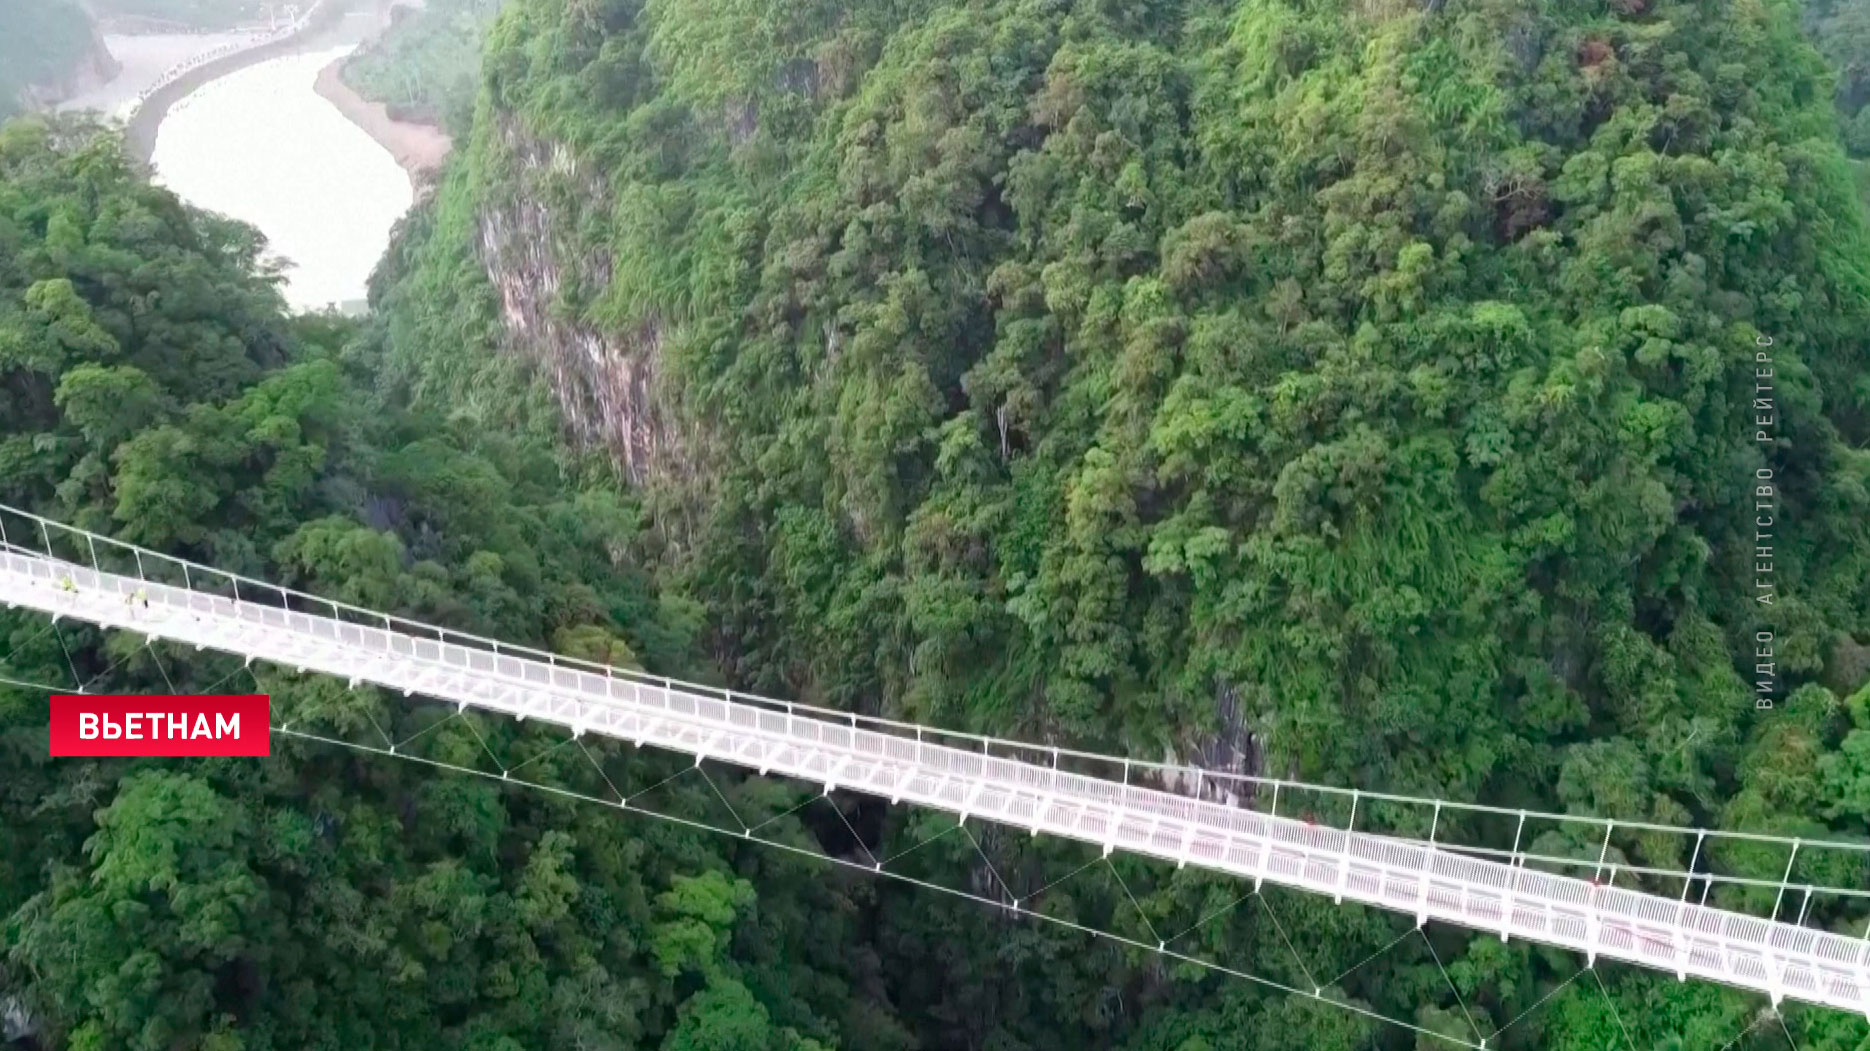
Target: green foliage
[
  {"x": 152, "y": 386},
  {"x": 1841, "y": 31},
  {"x": 1366, "y": 387},
  {"x": 1378, "y": 358},
  {"x": 426, "y": 66}
]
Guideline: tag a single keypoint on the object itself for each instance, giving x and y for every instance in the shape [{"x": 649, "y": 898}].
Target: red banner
[{"x": 94, "y": 724}]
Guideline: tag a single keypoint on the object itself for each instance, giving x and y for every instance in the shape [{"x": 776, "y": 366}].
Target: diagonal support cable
[
  {"x": 1281, "y": 928},
  {"x": 1067, "y": 876},
  {"x": 1743, "y": 1033},
  {"x": 222, "y": 681},
  {"x": 430, "y": 728},
  {"x": 149, "y": 643},
  {"x": 1449, "y": 978},
  {"x": 1210, "y": 917},
  {"x": 659, "y": 784},
  {"x": 595, "y": 765},
  {"x": 540, "y": 754},
  {"x": 906, "y": 851},
  {"x": 36, "y": 636},
  {"x": 788, "y": 812},
  {"x": 157, "y": 657},
  {"x": 1608, "y": 1002},
  {"x": 839, "y": 811},
  {"x": 1137, "y": 905},
  {"x": 987, "y": 861},
  {"x": 1780, "y": 1017},
  {"x": 390, "y": 744},
  {"x": 482, "y": 740},
  {"x": 73, "y": 668},
  {"x": 1560, "y": 987},
  {"x": 1360, "y": 963},
  {"x": 722, "y": 796}
]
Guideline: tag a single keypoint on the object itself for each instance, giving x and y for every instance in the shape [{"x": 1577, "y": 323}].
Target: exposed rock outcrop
[
  {"x": 94, "y": 67},
  {"x": 608, "y": 383},
  {"x": 1232, "y": 749}
]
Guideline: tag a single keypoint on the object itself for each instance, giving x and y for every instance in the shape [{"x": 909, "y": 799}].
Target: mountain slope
[
  {"x": 48, "y": 51},
  {"x": 152, "y": 387},
  {"x": 1394, "y": 394}
]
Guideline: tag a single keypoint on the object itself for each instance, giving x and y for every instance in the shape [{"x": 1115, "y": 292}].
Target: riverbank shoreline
[
  {"x": 330, "y": 23},
  {"x": 419, "y": 149}
]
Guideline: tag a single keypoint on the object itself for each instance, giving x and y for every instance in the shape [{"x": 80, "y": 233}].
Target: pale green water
[{"x": 262, "y": 146}]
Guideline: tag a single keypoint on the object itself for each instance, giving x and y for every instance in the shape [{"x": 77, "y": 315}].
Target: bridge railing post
[
  {"x": 1793, "y": 857},
  {"x": 1681, "y": 909},
  {"x": 1344, "y": 860},
  {"x": 1754, "y": 952},
  {"x": 1512, "y": 892},
  {"x": 1427, "y": 871}
]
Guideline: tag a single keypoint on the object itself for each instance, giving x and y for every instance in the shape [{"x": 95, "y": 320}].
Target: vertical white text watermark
[{"x": 1765, "y": 522}]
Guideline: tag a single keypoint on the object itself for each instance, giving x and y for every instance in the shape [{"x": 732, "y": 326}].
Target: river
[{"x": 262, "y": 146}]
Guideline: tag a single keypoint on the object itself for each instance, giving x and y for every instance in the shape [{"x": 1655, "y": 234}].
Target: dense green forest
[
  {"x": 426, "y": 66},
  {"x": 1355, "y": 390},
  {"x": 1362, "y": 389},
  {"x": 154, "y": 388},
  {"x": 1841, "y": 30}
]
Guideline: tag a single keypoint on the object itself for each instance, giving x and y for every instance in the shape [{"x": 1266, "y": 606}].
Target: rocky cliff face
[
  {"x": 608, "y": 383},
  {"x": 92, "y": 70},
  {"x": 95, "y": 66}
]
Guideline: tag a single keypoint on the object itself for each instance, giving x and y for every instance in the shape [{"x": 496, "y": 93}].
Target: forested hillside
[
  {"x": 1365, "y": 391},
  {"x": 426, "y": 65},
  {"x": 1841, "y": 30},
  {"x": 150, "y": 386},
  {"x": 46, "y": 46},
  {"x": 1356, "y": 391}
]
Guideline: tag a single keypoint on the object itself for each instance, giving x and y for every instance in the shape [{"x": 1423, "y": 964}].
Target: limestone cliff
[
  {"x": 607, "y": 382},
  {"x": 52, "y": 51}
]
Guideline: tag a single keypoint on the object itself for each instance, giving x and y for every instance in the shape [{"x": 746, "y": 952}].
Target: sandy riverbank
[{"x": 419, "y": 148}]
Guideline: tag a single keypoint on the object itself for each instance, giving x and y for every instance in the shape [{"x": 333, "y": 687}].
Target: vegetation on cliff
[
  {"x": 43, "y": 43},
  {"x": 1841, "y": 30},
  {"x": 151, "y": 386},
  {"x": 1366, "y": 390},
  {"x": 426, "y": 65},
  {"x": 1359, "y": 390}
]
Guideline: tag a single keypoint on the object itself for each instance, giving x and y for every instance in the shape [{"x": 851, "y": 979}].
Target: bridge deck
[{"x": 1405, "y": 876}]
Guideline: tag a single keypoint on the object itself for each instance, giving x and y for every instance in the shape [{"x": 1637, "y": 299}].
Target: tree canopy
[
  {"x": 1363, "y": 391},
  {"x": 152, "y": 386}
]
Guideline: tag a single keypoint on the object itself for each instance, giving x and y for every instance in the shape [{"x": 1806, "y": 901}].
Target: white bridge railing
[{"x": 132, "y": 589}]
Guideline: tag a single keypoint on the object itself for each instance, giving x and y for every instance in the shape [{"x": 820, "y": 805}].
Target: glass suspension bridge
[{"x": 1113, "y": 803}]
